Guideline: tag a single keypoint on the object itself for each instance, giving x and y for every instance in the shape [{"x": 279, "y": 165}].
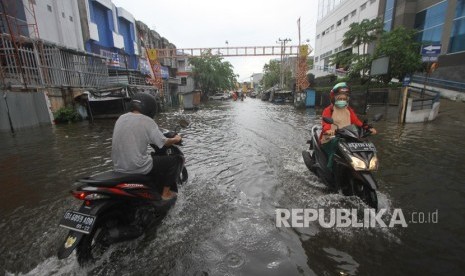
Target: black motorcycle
[
  {"x": 354, "y": 160},
  {"x": 116, "y": 207}
]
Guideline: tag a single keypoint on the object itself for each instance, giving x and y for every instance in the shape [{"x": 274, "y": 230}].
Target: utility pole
[{"x": 281, "y": 66}]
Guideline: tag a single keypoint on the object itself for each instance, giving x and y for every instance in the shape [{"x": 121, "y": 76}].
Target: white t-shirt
[{"x": 129, "y": 149}]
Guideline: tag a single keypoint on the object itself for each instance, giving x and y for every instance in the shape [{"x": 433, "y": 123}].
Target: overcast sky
[{"x": 210, "y": 23}]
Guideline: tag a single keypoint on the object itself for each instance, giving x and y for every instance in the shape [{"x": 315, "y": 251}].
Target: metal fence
[
  {"x": 422, "y": 98},
  {"x": 33, "y": 63},
  {"x": 360, "y": 100},
  {"x": 452, "y": 85}
]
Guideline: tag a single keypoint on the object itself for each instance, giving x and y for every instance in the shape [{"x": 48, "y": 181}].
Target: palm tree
[{"x": 361, "y": 34}]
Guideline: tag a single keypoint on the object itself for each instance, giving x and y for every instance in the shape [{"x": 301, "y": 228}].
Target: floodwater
[{"x": 244, "y": 161}]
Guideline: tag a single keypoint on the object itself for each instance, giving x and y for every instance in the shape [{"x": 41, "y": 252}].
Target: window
[
  {"x": 364, "y": 6},
  {"x": 353, "y": 13},
  {"x": 431, "y": 17},
  {"x": 430, "y": 22},
  {"x": 457, "y": 36},
  {"x": 388, "y": 14},
  {"x": 49, "y": 8},
  {"x": 372, "y": 2},
  {"x": 183, "y": 81},
  {"x": 63, "y": 15},
  {"x": 339, "y": 23},
  {"x": 332, "y": 27},
  {"x": 460, "y": 9},
  {"x": 346, "y": 18},
  {"x": 71, "y": 18}
]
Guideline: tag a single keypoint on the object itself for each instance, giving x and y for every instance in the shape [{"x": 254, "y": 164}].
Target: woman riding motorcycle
[{"x": 342, "y": 115}]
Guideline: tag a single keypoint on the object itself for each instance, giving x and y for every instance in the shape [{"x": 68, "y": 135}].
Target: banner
[{"x": 152, "y": 54}]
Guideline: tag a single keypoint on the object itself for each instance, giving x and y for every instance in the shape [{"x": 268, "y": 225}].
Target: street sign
[
  {"x": 429, "y": 58},
  {"x": 431, "y": 50},
  {"x": 406, "y": 81}
]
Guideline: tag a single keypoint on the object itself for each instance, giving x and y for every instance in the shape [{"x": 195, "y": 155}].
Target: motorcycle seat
[{"x": 112, "y": 178}]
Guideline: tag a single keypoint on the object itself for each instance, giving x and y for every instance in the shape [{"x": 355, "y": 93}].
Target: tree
[
  {"x": 211, "y": 74},
  {"x": 403, "y": 52},
  {"x": 272, "y": 73},
  {"x": 361, "y": 34},
  {"x": 342, "y": 60}
]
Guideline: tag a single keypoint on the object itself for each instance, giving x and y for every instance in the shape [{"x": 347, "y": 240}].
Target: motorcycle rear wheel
[{"x": 94, "y": 245}]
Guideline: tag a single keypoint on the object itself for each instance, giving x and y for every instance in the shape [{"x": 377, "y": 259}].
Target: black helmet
[{"x": 144, "y": 103}]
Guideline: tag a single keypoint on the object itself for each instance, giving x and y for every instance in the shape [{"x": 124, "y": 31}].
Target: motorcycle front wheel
[
  {"x": 184, "y": 175},
  {"x": 365, "y": 193}
]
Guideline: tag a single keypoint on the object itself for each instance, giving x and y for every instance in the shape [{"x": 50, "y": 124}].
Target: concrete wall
[
  {"x": 331, "y": 41},
  {"x": 188, "y": 87},
  {"x": 25, "y": 109},
  {"x": 61, "y": 25},
  {"x": 420, "y": 116}
]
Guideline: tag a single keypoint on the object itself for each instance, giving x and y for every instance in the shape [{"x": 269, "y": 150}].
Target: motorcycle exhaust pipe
[{"x": 124, "y": 233}]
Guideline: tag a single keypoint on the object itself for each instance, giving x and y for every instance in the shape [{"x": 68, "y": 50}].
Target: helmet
[
  {"x": 340, "y": 88},
  {"x": 144, "y": 103}
]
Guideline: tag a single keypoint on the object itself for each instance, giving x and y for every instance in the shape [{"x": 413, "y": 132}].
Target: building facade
[
  {"x": 54, "y": 21},
  {"x": 437, "y": 22},
  {"x": 109, "y": 31},
  {"x": 185, "y": 80},
  {"x": 334, "y": 18},
  {"x": 256, "y": 79}
]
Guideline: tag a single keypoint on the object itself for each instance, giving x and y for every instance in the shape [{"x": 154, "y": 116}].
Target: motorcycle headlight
[
  {"x": 373, "y": 163},
  {"x": 358, "y": 164}
]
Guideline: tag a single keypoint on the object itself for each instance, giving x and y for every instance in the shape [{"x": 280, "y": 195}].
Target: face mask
[{"x": 341, "y": 104}]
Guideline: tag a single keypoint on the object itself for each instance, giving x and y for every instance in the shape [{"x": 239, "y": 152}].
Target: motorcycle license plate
[
  {"x": 77, "y": 221},
  {"x": 354, "y": 147}
]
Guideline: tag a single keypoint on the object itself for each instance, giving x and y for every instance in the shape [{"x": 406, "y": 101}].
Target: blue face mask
[{"x": 341, "y": 104}]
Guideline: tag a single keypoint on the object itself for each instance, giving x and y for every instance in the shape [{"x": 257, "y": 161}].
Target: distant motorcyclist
[
  {"x": 133, "y": 133},
  {"x": 342, "y": 114}
]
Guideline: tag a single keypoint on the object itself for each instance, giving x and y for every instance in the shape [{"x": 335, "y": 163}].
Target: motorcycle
[
  {"x": 354, "y": 160},
  {"x": 116, "y": 207}
]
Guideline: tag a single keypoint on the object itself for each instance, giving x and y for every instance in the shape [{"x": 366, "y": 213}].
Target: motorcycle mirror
[
  {"x": 183, "y": 123},
  {"x": 377, "y": 117},
  {"x": 328, "y": 120}
]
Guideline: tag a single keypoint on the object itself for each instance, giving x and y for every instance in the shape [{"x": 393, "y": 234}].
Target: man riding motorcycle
[{"x": 133, "y": 133}]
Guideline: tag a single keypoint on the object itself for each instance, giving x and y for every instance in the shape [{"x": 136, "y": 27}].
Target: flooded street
[{"x": 244, "y": 161}]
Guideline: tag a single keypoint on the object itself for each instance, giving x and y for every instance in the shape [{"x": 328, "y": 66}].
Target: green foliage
[
  {"x": 272, "y": 73},
  {"x": 67, "y": 115},
  {"x": 359, "y": 34},
  {"x": 342, "y": 59},
  {"x": 403, "y": 52},
  {"x": 324, "y": 81},
  {"x": 211, "y": 74}
]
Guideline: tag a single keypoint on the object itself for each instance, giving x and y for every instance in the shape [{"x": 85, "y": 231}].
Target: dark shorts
[{"x": 165, "y": 170}]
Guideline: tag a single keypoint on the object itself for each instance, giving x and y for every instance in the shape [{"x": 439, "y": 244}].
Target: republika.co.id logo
[{"x": 366, "y": 218}]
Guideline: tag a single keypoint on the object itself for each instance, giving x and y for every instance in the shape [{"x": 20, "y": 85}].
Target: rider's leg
[{"x": 168, "y": 169}]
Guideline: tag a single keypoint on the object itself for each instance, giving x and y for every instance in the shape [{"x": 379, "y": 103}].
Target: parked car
[{"x": 218, "y": 96}]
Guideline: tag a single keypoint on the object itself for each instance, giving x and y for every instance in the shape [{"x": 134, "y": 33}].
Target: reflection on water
[{"x": 244, "y": 161}]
